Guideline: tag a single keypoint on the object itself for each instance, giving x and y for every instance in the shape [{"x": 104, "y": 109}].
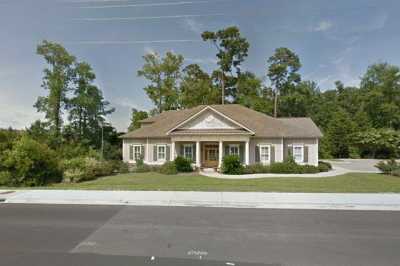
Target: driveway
[{"x": 356, "y": 165}]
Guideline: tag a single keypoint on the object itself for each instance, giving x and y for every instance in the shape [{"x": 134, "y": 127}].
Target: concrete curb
[{"x": 259, "y": 200}]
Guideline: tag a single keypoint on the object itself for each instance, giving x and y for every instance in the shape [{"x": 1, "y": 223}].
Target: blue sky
[{"x": 336, "y": 40}]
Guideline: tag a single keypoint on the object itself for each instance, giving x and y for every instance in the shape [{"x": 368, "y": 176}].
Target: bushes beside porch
[
  {"x": 179, "y": 165},
  {"x": 231, "y": 165}
]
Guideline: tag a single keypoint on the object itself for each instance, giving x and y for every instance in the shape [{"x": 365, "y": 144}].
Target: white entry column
[
  {"x": 220, "y": 151},
  {"x": 247, "y": 153},
  {"x": 172, "y": 150},
  {"x": 198, "y": 163}
]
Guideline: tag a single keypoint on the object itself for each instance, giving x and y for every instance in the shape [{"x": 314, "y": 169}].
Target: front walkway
[
  {"x": 340, "y": 167},
  {"x": 334, "y": 172},
  {"x": 341, "y": 201}
]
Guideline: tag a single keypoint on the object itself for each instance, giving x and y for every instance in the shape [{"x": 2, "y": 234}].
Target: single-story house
[{"x": 207, "y": 133}]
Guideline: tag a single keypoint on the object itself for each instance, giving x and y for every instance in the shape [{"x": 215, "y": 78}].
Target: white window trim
[
  {"x": 158, "y": 152},
  {"x": 191, "y": 151},
  {"x": 133, "y": 147},
  {"x": 269, "y": 153},
  {"x": 234, "y": 146},
  {"x": 294, "y": 146}
]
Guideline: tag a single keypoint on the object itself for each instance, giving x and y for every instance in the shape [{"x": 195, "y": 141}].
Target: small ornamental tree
[{"x": 32, "y": 163}]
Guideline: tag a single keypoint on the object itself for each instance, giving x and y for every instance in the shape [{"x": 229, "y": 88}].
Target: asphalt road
[{"x": 114, "y": 235}]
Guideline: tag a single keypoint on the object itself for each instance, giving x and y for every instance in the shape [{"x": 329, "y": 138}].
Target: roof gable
[
  {"x": 241, "y": 118},
  {"x": 207, "y": 119}
]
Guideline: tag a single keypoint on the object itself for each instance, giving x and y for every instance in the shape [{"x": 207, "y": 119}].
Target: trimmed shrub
[
  {"x": 183, "y": 165},
  {"x": 309, "y": 169},
  {"x": 231, "y": 165},
  {"x": 257, "y": 168},
  {"x": 168, "y": 168},
  {"x": 143, "y": 168},
  {"x": 324, "y": 166},
  {"x": 31, "y": 163},
  {"x": 396, "y": 172},
  {"x": 85, "y": 169},
  {"x": 285, "y": 168},
  {"x": 388, "y": 167},
  {"x": 5, "y": 178}
]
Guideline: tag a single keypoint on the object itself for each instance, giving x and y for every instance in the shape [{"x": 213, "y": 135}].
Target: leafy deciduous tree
[
  {"x": 232, "y": 49},
  {"x": 56, "y": 80},
  {"x": 163, "y": 74},
  {"x": 136, "y": 117},
  {"x": 282, "y": 72}
]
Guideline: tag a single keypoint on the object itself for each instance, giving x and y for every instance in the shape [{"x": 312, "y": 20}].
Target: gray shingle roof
[{"x": 261, "y": 124}]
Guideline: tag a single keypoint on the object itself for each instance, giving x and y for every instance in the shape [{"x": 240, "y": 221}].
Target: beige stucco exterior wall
[
  {"x": 312, "y": 145},
  {"x": 275, "y": 142},
  {"x": 280, "y": 145},
  {"x": 148, "y": 146}
]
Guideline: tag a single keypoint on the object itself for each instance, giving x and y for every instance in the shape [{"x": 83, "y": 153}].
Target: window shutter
[
  {"x": 272, "y": 152},
  {"x": 155, "y": 153},
  {"x": 131, "y": 156},
  {"x": 168, "y": 153},
  {"x": 182, "y": 151},
  {"x": 143, "y": 152},
  {"x": 305, "y": 150},
  {"x": 226, "y": 150},
  {"x": 290, "y": 151},
  {"x": 257, "y": 154},
  {"x": 193, "y": 152},
  {"x": 241, "y": 153}
]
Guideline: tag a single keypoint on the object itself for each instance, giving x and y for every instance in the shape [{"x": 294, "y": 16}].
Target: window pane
[
  {"x": 161, "y": 152},
  {"x": 298, "y": 154},
  {"x": 264, "y": 154},
  {"x": 234, "y": 150},
  {"x": 137, "y": 152},
  {"x": 188, "y": 152}
]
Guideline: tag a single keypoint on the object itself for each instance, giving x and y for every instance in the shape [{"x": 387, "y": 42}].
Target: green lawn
[{"x": 353, "y": 182}]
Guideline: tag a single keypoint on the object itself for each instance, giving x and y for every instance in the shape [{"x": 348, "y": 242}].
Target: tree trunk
[
  {"x": 276, "y": 104},
  {"x": 222, "y": 88}
]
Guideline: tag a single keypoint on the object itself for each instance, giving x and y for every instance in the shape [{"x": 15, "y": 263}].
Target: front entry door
[{"x": 211, "y": 155}]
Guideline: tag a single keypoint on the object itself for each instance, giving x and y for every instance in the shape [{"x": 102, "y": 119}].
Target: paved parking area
[{"x": 356, "y": 165}]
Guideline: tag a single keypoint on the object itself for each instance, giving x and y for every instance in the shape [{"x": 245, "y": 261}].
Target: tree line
[{"x": 357, "y": 121}]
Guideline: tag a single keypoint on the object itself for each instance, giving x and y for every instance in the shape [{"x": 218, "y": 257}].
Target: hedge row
[{"x": 232, "y": 165}]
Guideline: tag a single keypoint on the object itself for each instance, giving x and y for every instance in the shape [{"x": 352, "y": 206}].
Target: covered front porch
[{"x": 208, "y": 151}]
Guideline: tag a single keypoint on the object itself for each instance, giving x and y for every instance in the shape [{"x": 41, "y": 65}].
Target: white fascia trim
[{"x": 203, "y": 110}]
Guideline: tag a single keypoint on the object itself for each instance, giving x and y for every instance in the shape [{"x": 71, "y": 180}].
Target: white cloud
[
  {"x": 207, "y": 60},
  {"x": 94, "y": 19},
  {"x": 323, "y": 26},
  {"x": 146, "y": 5},
  {"x": 193, "y": 25},
  {"x": 17, "y": 116},
  {"x": 127, "y": 103},
  {"x": 149, "y": 50}
]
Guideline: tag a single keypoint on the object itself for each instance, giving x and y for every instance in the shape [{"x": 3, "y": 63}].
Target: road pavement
[{"x": 117, "y": 235}]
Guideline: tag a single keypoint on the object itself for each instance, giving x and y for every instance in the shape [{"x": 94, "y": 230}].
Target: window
[
  {"x": 161, "y": 152},
  {"x": 298, "y": 153},
  {"x": 135, "y": 152},
  {"x": 265, "y": 154},
  {"x": 188, "y": 151},
  {"x": 234, "y": 149}
]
